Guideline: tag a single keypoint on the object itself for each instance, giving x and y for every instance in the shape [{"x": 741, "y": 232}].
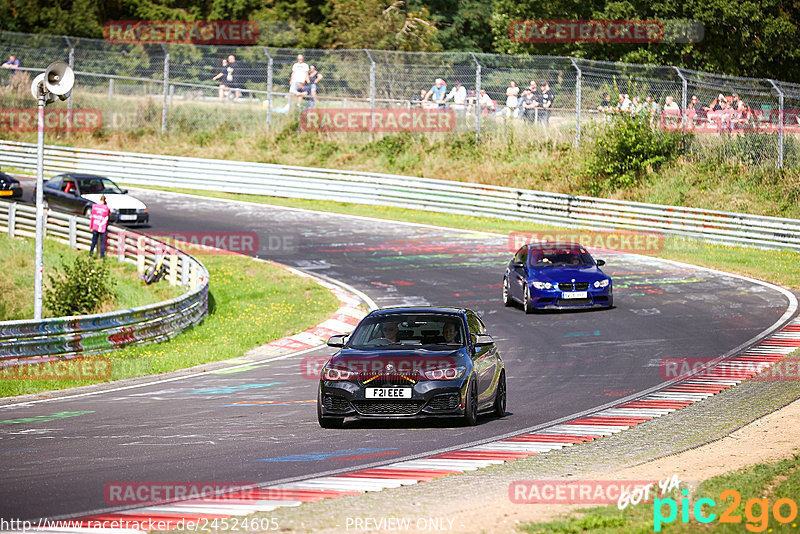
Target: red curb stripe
[
  {"x": 418, "y": 474},
  {"x": 657, "y": 404},
  {"x": 553, "y": 438},
  {"x": 610, "y": 421},
  {"x": 781, "y": 343},
  {"x": 304, "y": 495},
  {"x": 345, "y": 319},
  {"x": 698, "y": 388}
]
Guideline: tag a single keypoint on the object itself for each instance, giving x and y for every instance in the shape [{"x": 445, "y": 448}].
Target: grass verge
[
  {"x": 760, "y": 488},
  {"x": 16, "y": 283},
  {"x": 778, "y": 267},
  {"x": 250, "y": 302}
]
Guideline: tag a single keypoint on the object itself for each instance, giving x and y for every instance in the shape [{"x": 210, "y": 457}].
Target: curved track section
[{"x": 259, "y": 424}]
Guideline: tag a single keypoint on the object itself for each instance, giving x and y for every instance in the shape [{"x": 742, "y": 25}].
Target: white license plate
[
  {"x": 388, "y": 393},
  {"x": 575, "y": 295},
  {"x": 127, "y": 217}
]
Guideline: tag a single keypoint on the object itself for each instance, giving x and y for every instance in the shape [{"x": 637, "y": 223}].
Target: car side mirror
[
  {"x": 600, "y": 263},
  {"x": 124, "y": 191},
  {"x": 337, "y": 341},
  {"x": 518, "y": 265},
  {"x": 481, "y": 340}
]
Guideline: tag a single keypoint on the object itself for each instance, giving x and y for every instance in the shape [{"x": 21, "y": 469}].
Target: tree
[{"x": 381, "y": 24}]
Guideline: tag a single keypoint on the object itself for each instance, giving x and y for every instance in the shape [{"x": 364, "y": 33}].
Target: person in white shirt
[
  {"x": 512, "y": 98},
  {"x": 486, "y": 103},
  {"x": 459, "y": 96},
  {"x": 299, "y": 74}
]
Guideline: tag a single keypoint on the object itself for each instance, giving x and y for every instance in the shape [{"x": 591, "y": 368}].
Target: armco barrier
[
  {"x": 66, "y": 337},
  {"x": 409, "y": 192}
]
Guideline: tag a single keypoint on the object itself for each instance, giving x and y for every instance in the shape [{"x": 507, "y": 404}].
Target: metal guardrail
[
  {"x": 409, "y": 192},
  {"x": 66, "y": 337}
]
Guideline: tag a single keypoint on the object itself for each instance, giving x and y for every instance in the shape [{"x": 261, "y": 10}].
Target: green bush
[
  {"x": 625, "y": 149},
  {"x": 80, "y": 287}
]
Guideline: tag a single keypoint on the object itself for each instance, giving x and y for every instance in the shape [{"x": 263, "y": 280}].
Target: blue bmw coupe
[{"x": 556, "y": 276}]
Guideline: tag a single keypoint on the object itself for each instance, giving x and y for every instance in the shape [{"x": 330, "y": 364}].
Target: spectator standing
[
  {"x": 314, "y": 77},
  {"x": 420, "y": 100},
  {"x": 300, "y": 72},
  {"x": 98, "y": 223},
  {"x": 547, "y": 102},
  {"x": 512, "y": 96},
  {"x": 530, "y": 103},
  {"x": 233, "y": 78},
  {"x": 486, "y": 103},
  {"x": 437, "y": 93},
  {"x": 221, "y": 76},
  {"x": 459, "y": 95},
  {"x": 693, "y": 111},
  {"x": 12, "y": 63}
]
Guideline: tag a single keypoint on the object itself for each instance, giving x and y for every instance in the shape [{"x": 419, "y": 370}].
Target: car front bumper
[
  {"x": 554, "y": 299},
  {"x": 430, "y": 398}
]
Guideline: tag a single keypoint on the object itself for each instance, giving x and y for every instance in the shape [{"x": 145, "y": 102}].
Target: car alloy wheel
[
  {"x": 527, "y": 304},
  {"x": 500, "y": 396},
  {"x": 506, "y": 293},
  {"x": 471, "y": 407}
]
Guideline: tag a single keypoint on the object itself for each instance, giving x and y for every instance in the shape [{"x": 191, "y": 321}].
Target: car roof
[
  {"x": 419, "y": 309},
  {"x": 557, "y": 244},
  {"x": 78, "y": 175},
  {"x": 4, "y": 175}
]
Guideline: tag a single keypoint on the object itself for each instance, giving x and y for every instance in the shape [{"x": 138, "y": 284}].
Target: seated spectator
[
  {"x": 671, "y": 115},
  {"x": 419, "y": 101},
  {"x": 459, "y": 96},
  {"x": 512, "y": 96},
  {"x": 694, "y": 112},
  {"x": 486, "y": 103},
  {"x": 715, "y": 111},
  {"x": 472, "y": 102},
  {"x": 624, "y": 102},
  {"x": 605, "y": 104},
  {"x": 12, "y": 63},
  {"x": 437, "y": 93},
  {"x": 636, "y": 106}
]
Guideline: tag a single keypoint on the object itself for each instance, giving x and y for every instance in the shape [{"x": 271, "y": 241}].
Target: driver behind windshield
[
  {"x": 450, "y": 333},
  {"x": 390, "y": 330}
]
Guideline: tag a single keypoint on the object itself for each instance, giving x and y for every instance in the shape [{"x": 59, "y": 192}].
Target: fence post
[
  {"x": 12, "y": 218},
  {"x": 110, "y": 89},
  {"x": 780, "y": 123},
  {"x": 478, "y": 110},
  {"x": 578, "y": 98},
  {"x": 269, "y": 87},
  {"x": 684, "y": 90},
  {"x": 371, "y": 93},
  {"x": 72, "y": 66},
  {"x": 166, "y": 90},
  {"x": 73, "y": 232}
]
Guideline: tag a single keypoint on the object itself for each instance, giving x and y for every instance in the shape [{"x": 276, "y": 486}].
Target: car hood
[
  {"x": 116, "y": 201},
  {"x": 560, "y": 273},
  {"x": 372, "y": 362}
]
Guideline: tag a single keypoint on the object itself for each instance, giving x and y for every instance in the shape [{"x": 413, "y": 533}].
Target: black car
[
  {"x": 413, "y": 362},
  {"x": 9, "y": 187},
  {"x": 76, "y": 193}
]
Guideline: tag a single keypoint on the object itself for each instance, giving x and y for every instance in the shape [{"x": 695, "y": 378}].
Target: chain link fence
[{"x": 177, "y": 88}]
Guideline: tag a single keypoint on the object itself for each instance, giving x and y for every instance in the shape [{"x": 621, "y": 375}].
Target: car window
[
  {"x": 53, "y": 183},
  {"x": 475, "y": 324},
  {"x": 560, "y": 256},
  {"x": 402, "y": 330},
  {"x": 68, "y": 186},
  {"x": 521, "y": 256}
]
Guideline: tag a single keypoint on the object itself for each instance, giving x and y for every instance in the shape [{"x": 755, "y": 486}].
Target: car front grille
[
  {"x": 581, "y": 286},
  {"x": 448, "y": 401},
  {"x": 573, "y": 302},
  {"x": 370, "y": 407},
  {"x": 390, "y": 379},
  {"x": 127, "y": 211},
  {"x": 335, "y": 403},
  {"x": 577, "y": 286},
  {"x": 565, "y": 286}
]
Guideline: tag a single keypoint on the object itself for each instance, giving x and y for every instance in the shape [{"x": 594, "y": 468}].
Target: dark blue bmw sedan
[
  {"x": 411, "y": 362},
  {"x": 556, "y": 275}
]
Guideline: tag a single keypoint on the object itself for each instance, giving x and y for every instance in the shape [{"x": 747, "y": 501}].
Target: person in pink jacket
[{"x": 99, "y": 225}]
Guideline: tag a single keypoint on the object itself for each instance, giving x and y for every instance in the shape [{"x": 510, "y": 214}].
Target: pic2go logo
[{"x": 784, "y": 511}]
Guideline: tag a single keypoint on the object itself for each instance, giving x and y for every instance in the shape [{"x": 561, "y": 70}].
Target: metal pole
[
  {"x": 37, "y": 285},
  {"x": 371, "y": 93},
  {"x": 684, "y": 90},
  {"x": 269, "y": 88},
  {"x": 780, "y": 123},
  {"x": 72, "y": 66},
  {"x": 477, "y": 99},
  {"x": 166, "y": 90},
  {"x": 578, "y": 98}
]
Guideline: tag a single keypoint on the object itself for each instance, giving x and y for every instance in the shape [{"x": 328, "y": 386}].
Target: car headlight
[
  {"x": 335, "y": 373},
  {"x": 141, "y": 210},
  {"x": 448, "y": 373},
  {"x": 542, "y": 285},
  {"x": 601, "y": 283}
]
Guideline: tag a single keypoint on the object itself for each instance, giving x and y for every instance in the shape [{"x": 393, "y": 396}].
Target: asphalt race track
[{"x": 259, "y": 424}]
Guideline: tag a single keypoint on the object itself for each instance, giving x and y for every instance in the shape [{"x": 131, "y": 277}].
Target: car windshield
[
  {"x": 403, "y": 330},
  {"x": 560, "y": 256},
  {"x": 97, "y": 185}
]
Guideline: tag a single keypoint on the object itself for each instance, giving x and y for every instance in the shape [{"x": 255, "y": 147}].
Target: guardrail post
[
  {"x": 478, "y": 110},
  {"x": 184, "y": 270},
  {"x": 269, "y": 88},
  {"x": 780, "y": 123},
  {"x": 12, "y": 218},
  {"x": 73, "y": 232},
  {"x": 111, "y": 88},
  {"x": 140, "y": 255},
  {"x": 684, "y": 90},
  {"x": 194, "y": 275},
  {"x": 578, "y": 99},
  {"x": 173, "y": 269},
  {"x": 166, "y": 90},
  {"x": 121, "y": 241},
  {"x": 371, "y": 94}
]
